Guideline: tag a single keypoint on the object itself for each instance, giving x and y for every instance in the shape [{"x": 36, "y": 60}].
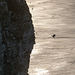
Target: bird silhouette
[{"x": 53, "y": 35}]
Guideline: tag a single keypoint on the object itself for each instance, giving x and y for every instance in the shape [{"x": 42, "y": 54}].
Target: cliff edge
[{"x": 16, "y": 37}]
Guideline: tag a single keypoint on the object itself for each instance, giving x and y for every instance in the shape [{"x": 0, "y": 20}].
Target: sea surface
[{"x": 53, "y": 56}]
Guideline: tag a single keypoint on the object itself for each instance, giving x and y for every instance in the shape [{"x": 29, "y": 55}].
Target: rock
[{"x": 16, "y": 37}]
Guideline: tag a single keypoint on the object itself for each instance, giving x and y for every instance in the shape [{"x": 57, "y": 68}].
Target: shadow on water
[
  {"x": 56, "y": 38},
  {"x": 63, "y": 37}
]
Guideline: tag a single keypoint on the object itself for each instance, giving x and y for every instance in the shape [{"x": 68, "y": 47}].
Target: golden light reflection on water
[
  {"x": 40, "y": 71},
  {"x": 58, "y": 65},
  {"x": 60, "y": 55},
  {"x": 34, "y": 52},
  {"x": 36, "y": 49}
]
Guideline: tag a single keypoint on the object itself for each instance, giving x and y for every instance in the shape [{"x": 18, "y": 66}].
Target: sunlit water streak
[{"x": 41, "y": 71}]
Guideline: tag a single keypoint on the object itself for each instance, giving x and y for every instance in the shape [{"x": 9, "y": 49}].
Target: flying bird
[{"x": 53, "y": 35}]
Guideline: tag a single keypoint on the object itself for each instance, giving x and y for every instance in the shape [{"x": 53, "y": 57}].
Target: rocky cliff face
[{"x": 16, "y": 37}]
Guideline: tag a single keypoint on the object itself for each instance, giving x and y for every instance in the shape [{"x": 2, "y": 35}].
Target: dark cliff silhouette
[{"x": 16, "y": 37}]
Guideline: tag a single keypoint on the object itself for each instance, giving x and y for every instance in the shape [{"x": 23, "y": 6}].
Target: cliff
[{"x": 16, "y": 37}]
